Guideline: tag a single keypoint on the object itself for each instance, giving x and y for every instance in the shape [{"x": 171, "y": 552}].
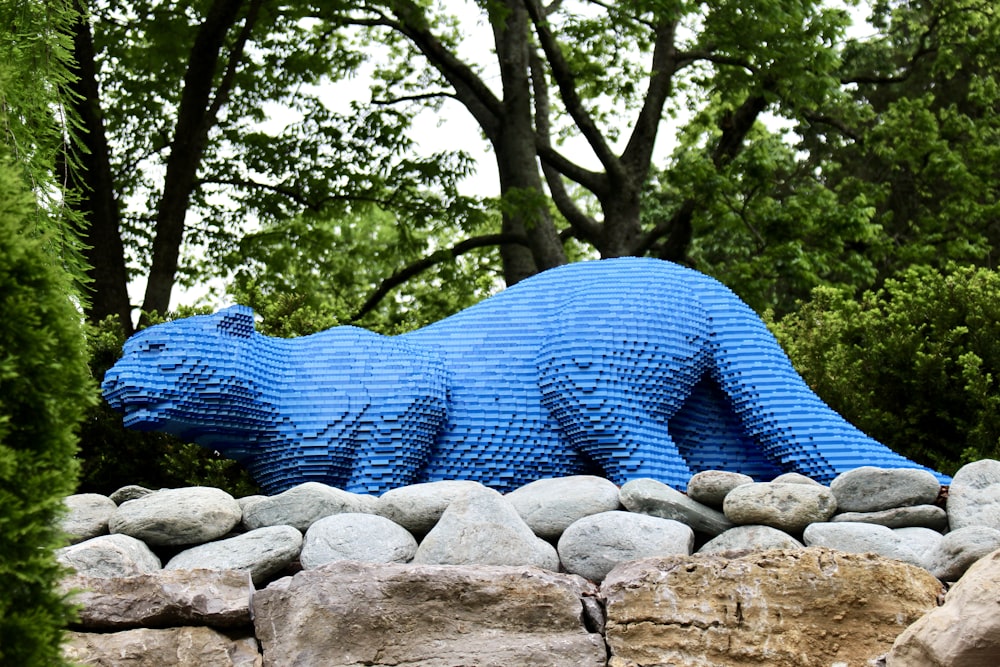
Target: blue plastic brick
[{"x": 627, "y": 368}]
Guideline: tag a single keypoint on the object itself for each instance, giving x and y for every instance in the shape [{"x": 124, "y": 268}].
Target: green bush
[
  {"x": 915, "y": 364},
  {"x": 45, "y": 387}
]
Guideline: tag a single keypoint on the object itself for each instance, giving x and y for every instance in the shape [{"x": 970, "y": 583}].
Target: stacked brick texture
[{"x": 627, "y": 368}]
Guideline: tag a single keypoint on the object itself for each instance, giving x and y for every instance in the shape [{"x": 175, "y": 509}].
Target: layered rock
[
  {"x": 178, "y": 647},
  {"x": 964, "y": 631},
  {"x": 167, "y": 598},
  {"x": 776, "y": 608},
  {"x": 353, "y": 614}
]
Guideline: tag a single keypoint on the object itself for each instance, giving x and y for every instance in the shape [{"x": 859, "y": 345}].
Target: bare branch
[
  {"x": 439, "y": 257},
  {"x": 685, "y": 58},
  {"x": 610, "y": 6},
  {"x": 584, "y": 225},
  {"x": 234, "y": 60},
  {"x": 294, "y": 195},
  {"x": 470, "y": 89},
  {"x": 841, "y": 126},
  {"x": 415, "y": 98},
  {"x": 639, "y": 151},
  {"x": 566, "y": 81}
]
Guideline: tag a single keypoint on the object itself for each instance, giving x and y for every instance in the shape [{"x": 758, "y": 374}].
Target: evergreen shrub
[
  {"x": 45, "y": 387},
  {"x": 915, "y": 364}
]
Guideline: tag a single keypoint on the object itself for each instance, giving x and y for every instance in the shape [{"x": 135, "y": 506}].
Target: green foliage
[
  {"x": 45, "y": 387},
  {"x": 305, "y": 275},
  {"x": 925, "y": 156},
  {"x": 279, "y": 147},
  {"x": 767, "y": 227},
  {"x": 36, "y": 122},
  {"x": 915, "y": 364},
  {"x": 884, "y": 153},
  {"x": 112, "y": 457}
]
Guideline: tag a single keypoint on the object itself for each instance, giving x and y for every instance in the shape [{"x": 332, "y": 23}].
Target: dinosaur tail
[{"x": 793, "y": 427}]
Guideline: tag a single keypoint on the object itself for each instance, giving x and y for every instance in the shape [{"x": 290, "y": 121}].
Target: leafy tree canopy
[{"x": 897, "y": 166}]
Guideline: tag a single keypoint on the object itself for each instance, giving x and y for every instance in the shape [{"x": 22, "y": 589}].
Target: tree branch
[
  {"x": 584, "y": 225},
  {"x": 234, "y": 60},
  {"x": 566, "y": 82},
  {"x": 421, "y": 265},
  {"x": 639, "y": 151},
  {"x": 823, "y": 119},
  {"x": 296, "y": 195},
  {"x": 734, "y": 125},
  {"x": 414, "y": 98},
  {"x": 470, "y": 89}
]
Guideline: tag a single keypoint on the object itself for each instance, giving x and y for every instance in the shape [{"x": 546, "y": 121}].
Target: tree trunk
[
  {"x": 526, "y": 211},
  {"x": 621, "y": 233},
  {"x": 195, "y": 117},
  {"x": 104, "y": 251}
]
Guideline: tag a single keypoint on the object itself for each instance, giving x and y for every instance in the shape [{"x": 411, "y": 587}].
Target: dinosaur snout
[{"x": 111, "y": 388}]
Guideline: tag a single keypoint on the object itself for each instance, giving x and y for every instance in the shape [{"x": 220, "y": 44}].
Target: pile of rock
[
  {"x": 580, "y": 525},
  {"x": 782, "y": 608},
  {"x": 571, "y": 571}
]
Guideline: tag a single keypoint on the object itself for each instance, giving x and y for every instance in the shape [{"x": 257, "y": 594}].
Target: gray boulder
[
  {"x": 130, "y": 492},
  {"x": 923, "y": 516},
  {"x": 262, "y": 553},
  {"x": 191, "y": 515},
  {"x": 348, "y": 613},
  {"x": 302, "y": 505},
  {"x": 794, "y": 478},
  {"x": 549, "y": 506},
  {"x": 109, "y": 556},
  {"x": 87, "y": 516},
  {"x": 870, "y": 489},
  {"x": 974, "y": 495},
  {"x": 247, "y": 501},
  {"x": 648, "y": 496},
  {"x": 418, "y": 507},
  {"x": 920, "y": 540},
  {"x": 786, "y": 506},
  {"x": 959, "y": 549},
  {"x": 595, "y": 544},
  {"x": 861, "y": 538},
  {"x": 482, "y": 527},
  {"x": 750, "y": 538},
  {"x": 710, "y": 487},
  {"x": 164, "y": 598},
  {"x": 366, "y": 538}
]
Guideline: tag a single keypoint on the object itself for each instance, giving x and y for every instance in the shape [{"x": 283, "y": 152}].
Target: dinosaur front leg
[{"x": 393, "y": 449}]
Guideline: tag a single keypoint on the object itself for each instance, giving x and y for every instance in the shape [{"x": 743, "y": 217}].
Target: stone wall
[{"x": 570, "y": 571}]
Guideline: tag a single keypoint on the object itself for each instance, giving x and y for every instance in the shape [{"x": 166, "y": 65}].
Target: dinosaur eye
[{"x": 154, "y": 348}]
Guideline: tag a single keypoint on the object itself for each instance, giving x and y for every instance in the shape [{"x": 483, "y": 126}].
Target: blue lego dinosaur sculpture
[{"x": 627, "y": 368}]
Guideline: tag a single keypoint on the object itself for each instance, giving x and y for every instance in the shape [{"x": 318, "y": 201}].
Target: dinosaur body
[{"x": 627, "y": 368}]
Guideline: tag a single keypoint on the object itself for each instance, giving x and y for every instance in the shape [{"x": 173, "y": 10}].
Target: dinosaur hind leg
[{"x": 709, "y": 436}]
